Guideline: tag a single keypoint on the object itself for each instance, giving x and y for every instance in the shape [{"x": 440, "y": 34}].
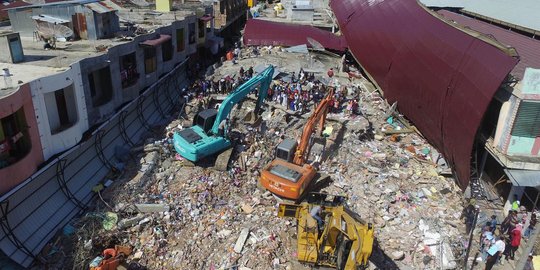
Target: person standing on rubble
[
  {"x": 529, "y": 264},
  {"x": 530, "y": 228},
  {"x": 515, "y": 242},
  {"x": 493, "y": 223},
  {"x": 516, "y": 203},
  {"x": 316, "y": 212},
  {"x": 222, "y": 126},
  {"x": 493, "y": 255},
  {"x": 506, "y": 222}
]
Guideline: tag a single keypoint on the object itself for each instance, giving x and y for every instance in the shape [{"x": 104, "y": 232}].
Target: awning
[
  {"x": 524, "y": 178},
  {"x": 156, "y": 42},
  {"x": 206, "y": 18}
]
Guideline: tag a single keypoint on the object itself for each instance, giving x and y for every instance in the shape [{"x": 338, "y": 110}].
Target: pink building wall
[{"x": 22, "y": 169}]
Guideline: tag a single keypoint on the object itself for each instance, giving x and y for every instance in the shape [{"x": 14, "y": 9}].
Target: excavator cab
[
  {"x": 205, "y": 119},
  {"x": 285, "y": 150}
]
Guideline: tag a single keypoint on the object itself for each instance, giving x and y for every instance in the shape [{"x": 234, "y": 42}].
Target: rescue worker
[
  {"x": 222, "y": 126},
  {"x": 316, "y": 212}
]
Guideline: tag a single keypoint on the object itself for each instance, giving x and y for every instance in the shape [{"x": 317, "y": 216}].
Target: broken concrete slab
[
  {"x": 151, "y": 208},
  {"x": 129, "y": 222},
  {"x": 241, "y": 240}
]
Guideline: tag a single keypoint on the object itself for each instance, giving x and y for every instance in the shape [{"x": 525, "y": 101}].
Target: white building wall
[
  {"x": 52, "y": 112},
  {"x": 43, "y": 95}
]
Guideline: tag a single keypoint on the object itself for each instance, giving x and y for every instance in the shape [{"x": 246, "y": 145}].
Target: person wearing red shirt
[{"x": 516, "y": 240}]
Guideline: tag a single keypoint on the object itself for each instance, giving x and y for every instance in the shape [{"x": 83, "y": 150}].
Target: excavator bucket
[{"x": 251, "y": 118}]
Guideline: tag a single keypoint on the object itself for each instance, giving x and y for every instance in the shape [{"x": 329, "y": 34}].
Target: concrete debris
[
  {"x": 179, "y": 216},
  {"x": 398, "y": 255},
  {"x": 241, "y": 240},
  {"x": 150, "y": 208}
]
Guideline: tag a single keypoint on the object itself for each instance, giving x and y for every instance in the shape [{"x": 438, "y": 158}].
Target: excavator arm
[
  {"x": 319, "y": 115},
  {"x": 261, "y": 80}
]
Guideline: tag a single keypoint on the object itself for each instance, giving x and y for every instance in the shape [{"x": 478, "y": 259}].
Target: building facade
[{"x": 50, "y": 113}]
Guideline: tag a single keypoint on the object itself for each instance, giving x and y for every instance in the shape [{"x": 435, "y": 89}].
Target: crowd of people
[
  {"x": 296, "y": 92},
  {"x": 499, "y": 242},
  {"x": 304, "y": 90}
]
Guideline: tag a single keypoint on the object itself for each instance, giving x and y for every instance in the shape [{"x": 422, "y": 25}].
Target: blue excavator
[{"x": 208, "y": 135}]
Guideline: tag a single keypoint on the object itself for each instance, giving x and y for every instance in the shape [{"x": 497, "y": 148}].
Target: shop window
[
  {"x": 180, "y": 40},
  {"x": 61, "y": 109},
  {"x": 202, "y": 26},
  {"x": 14, "y": 139},
  {"x": 150, "y": 61},
  {"x": 191, "y": 33},
  {"x": 167, "y": 50},
  {"x": 100, "y": 86},
  {"x": 128, "y": 70},
  {"x": 527, "y": 122}
]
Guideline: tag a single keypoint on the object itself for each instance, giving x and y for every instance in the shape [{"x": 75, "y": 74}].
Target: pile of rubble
[
  {"x": 395, "y": 182},
  {"x": 179, "y": 216}
]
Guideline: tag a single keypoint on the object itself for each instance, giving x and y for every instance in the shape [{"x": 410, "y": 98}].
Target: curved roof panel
[{"x": 442, "y": 78}]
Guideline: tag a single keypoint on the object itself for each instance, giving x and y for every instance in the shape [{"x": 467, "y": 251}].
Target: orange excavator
[{"x": 288, "y": 175}]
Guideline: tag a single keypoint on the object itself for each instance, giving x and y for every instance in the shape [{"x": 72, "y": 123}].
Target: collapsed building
[{"x": 443, "y": 78}]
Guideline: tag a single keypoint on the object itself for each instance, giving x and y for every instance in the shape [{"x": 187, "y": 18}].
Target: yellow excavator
[{"x": 344, "y": 241}]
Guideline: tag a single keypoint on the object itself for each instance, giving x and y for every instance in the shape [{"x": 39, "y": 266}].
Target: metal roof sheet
[
  {"x": 527, "y": 48},
  {"x": 524, "y": 178},
  {"x": 50, "y": 3},
  {"x": 444, "y": 3},
  {"x": 288, "y": 34},
  {"x": 100, "y": 7},
  {"x": 50, "y": 19},
  {"x": 523, "y": 13},
  {"x": 442, "y": 78},
  {"x": 155, "y": 42}
]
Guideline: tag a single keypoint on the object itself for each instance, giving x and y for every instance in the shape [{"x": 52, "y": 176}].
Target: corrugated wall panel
[{"x": 442, "y": 78}]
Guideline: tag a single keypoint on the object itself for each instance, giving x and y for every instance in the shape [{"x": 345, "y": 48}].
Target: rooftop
[
  {"x": 322, "y": 16},
  {"x": 527, "y": 48},
  {"x": 39, "y": 62},
  {"x": 521, "y": 15},
  {"x": 134, "y": 21}
]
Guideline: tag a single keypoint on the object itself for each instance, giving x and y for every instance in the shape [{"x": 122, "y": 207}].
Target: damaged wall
[
  {"x": 442, "y": 78},
  {"x": 32, "y": 213}
]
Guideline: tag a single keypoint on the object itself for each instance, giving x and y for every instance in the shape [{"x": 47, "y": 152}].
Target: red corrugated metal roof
[
  {"x": 155, "y": 42},
  {"x": 264, "y": 33},
  {"x": 527, "y": 48},
  {"x": 442, "y": 78}
]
